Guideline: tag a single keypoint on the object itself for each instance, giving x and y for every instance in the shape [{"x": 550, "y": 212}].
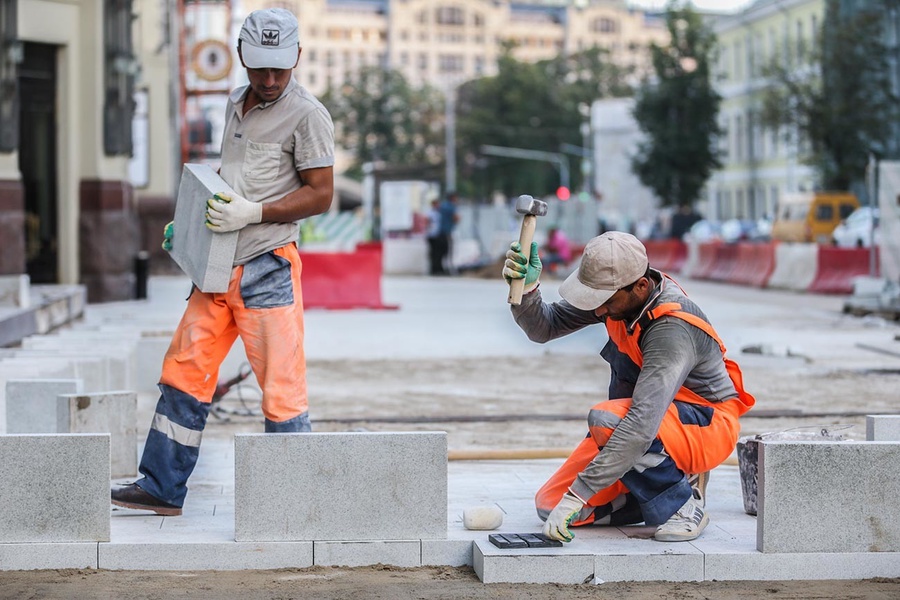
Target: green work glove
[
  {"x": 557, "y": 524},
  {"x": 168, "y": 234},
  {"x": 518, "y": 266}
]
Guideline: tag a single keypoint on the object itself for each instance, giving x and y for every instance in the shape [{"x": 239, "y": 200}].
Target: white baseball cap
[
  {"x": 610, "y": 262},
  {"x": 270, "y": 39}
]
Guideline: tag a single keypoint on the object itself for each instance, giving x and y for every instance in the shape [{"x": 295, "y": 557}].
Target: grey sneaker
[{"x": 686, "y": 524}]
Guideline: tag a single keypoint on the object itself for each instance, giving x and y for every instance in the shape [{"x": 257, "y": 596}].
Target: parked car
[
  {"x": 856, "y": 230},
  {"x": 811, "y": 216}
]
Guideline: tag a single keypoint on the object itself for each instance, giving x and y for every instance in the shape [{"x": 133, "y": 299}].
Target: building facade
[
  {"x": 759, "y": 165},
  {"x": 443, "y": 43},
  {"x": 68, "y": 210}
]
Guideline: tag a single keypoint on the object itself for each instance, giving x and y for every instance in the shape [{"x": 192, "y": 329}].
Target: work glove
[
  {"x": 168, "y": 234},
  {"x": 518, "y": 266},
  {"x": 226, "y": 213},
  {"x": 557, "y": 524}
]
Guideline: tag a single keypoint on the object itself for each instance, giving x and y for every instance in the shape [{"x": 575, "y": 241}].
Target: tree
[
  {"x": 677, "y": 112},
  {"x": 380, "y": 117},
  {"x": 532, "y": 106},
  {"x": 836, "y": 98}
]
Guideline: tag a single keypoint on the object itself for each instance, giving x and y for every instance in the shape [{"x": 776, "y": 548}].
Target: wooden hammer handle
[{"x": 526, "y": 235}]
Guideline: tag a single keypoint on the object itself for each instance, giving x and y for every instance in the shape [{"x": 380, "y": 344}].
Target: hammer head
[{"x": 526, "y": 205}]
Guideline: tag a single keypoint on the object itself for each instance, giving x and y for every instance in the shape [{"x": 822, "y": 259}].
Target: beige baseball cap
[
  {"x": 270, "y": 39},
  {"x": 610, "y": 262}
]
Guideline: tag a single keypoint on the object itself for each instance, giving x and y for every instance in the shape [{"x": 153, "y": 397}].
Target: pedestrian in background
[
  {"x": 435, "y": 243},
  {"x": 557, "y": 250},
  {"x": 277, "y": 155},
  {"x": 449, "y": 217}
]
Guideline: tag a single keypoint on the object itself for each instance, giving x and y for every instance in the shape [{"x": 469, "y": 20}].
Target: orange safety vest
[{"x": 692, "y": 454}]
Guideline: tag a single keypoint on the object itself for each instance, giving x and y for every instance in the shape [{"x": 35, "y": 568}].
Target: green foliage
[
  {"x": 380, "y": 117},
  {"x": 677, "y": 113},
  {"x": 837, "y": 98},
  {"x": 532, "y": 106}
]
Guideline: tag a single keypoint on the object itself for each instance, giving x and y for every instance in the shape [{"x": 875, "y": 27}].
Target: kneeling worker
[{"x": 674, "y": 400}]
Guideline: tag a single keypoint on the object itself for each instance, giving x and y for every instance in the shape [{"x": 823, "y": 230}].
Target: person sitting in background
[{"x": 557, "y": 250}]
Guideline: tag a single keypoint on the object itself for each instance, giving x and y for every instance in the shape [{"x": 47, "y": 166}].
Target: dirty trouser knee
[{"x": 173, "y": 445}]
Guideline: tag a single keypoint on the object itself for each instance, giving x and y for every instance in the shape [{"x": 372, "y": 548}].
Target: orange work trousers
[
  {"x": 695, "y": 446},
  {"x": 265, "y": 307}
]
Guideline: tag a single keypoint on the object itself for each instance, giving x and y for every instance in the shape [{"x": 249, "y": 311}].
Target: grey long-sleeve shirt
[{"x": 675, "y": 353}]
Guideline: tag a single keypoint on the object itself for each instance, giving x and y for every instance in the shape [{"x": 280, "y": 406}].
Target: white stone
[{"x": 482, "y": 518}]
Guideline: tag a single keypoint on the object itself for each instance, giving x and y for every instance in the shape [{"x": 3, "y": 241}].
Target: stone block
[
  {"x": 206, "y": 257},
  {"x": 883, "y": 428},
  {"x": 361, "y": 554},
  {"x": 538, "y": 565},
  {"x": 204, "y": 556},
  {"x": 340, "y": 486},
  {"x": 118, "y": 370},
  {"x": 455, "y": 553},
  {"x": 54, "y": 488},
  {"x": 28, "y": 557},
  {"x": 828, "y": 497},
  {"x": 31, "y": 404},
  {"x": 14, "y": 291},
  {"x": 114, "y": 413}
]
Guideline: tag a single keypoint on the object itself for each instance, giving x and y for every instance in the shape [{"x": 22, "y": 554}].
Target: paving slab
[
  {"x": 44, "y": 555},
  {"x": 883, "y": 428},
  {"x": 31, "y": 404},
  {"x": 361, "y": 553},
  {"x": 828, "y": 497},
  {"x": 340, "y": 486},
  {"x": 72, "y": 474},
  {"x": 205, "y": 256}
]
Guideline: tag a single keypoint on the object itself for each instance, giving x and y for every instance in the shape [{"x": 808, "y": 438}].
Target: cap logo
[{"x": 269, "y": 37}]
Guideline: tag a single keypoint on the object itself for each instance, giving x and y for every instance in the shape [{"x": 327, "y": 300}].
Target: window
[
  {"x": 846, "y": 209},
  {"x": 605, "y": 25},
  {"x": 120, "y": 69},
  {"x": 423, "y": 62},
  {"x": 450, "y": 15},
  {"x": 450, "y": 63},
  {"x": 824, "y": 212}
]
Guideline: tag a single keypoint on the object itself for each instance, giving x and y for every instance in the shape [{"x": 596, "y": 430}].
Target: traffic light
[{"x": 563, "y": 193}]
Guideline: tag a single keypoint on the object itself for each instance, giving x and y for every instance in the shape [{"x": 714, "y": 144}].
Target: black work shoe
[{"x": 133, "y": 496}]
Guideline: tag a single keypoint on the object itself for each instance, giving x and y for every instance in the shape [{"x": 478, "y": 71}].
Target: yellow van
[{"x": 811, "y": 216}]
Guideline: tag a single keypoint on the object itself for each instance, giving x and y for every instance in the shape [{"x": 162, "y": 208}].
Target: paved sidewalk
[{"x": 473, "y": 320}]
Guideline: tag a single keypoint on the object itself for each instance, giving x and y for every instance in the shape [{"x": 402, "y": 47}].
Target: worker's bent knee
[{"x": 299, "y": 424}]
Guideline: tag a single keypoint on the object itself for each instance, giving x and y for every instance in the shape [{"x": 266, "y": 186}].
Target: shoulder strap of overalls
[{"x": 673, "y": 309}]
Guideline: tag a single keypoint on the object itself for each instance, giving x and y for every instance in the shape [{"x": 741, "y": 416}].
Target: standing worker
[
  {"x": 674, "y": 400},
  {"x": 277, "y": 155}
]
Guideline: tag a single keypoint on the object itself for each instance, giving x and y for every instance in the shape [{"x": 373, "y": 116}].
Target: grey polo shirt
[{"x": 263, "y": 152}]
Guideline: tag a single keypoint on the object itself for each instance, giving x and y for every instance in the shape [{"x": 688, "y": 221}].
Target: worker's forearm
[
  {"x": 543, "y": 322},
  {"x": 300, "y": 204}
]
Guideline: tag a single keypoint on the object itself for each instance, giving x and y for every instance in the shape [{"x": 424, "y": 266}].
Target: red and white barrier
[
  {"x": 837, "y": 269},
  {"x": 343, "y": 280},
  {"x": 666, "y": 255}
]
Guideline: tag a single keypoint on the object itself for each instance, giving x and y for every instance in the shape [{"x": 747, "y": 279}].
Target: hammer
[{"x": 532, "y": 209}]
